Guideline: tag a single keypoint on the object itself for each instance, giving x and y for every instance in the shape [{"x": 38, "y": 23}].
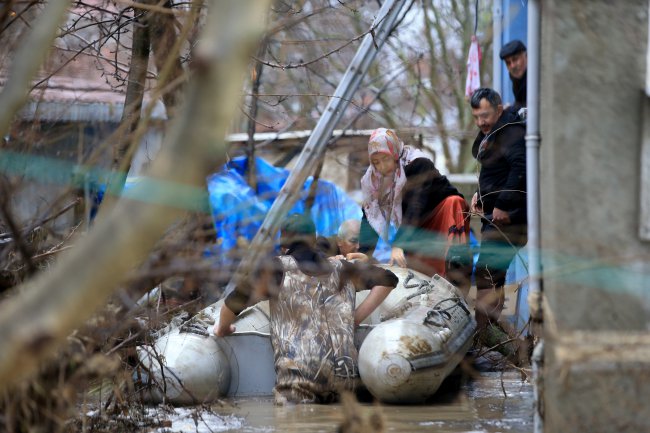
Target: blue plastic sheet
[
  {"x": 518, "y": 274},
  {"x": 238, "y": 211}
]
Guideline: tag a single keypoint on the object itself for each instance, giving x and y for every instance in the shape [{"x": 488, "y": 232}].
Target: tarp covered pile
[{"x": 238, "y": 211}]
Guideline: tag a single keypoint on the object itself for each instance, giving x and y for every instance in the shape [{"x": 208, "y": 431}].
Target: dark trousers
[{"x": 499, "y": 247}]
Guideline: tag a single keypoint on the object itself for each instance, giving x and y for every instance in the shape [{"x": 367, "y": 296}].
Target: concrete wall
[{"x": 596, "y": 268}]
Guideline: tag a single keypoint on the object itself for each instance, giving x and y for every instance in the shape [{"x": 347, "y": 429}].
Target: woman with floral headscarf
[{"x": 405, "y": 195}]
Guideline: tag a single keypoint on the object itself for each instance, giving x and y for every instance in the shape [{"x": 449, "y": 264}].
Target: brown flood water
[{"x": 490, "y": 403}]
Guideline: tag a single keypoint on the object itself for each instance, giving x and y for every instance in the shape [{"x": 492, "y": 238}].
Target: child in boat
[
  {"x": 312, "y": 314},
  {"x": 406, "y": 198},
  {"x": 345, "y": 244}
]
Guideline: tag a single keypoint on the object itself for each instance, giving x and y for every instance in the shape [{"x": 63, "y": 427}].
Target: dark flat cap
[
  {"x": 297, "y": 228},
  {"x": 512, "y": 48},
  {"x": 299, "y": 224}
]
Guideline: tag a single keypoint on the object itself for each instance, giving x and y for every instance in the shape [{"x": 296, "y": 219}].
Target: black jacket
[
  {"x": 502, "y": 179},
  {"x": 519, "y": 91},
  {"x": 425, "y": 189}
]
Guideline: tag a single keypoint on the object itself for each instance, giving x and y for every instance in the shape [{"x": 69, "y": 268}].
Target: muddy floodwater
[{"x": 489, "y": 403}]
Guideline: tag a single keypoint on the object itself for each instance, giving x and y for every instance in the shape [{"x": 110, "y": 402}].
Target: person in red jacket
[{"x": 406, "y": 199}]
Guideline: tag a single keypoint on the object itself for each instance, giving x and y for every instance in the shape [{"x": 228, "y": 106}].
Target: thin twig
[
  {"x": 18, "y": 238},
  {"x": 152, "y": 8}
]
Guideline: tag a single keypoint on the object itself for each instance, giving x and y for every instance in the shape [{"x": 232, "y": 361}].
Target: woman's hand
[{"x": 397, "y": 257}]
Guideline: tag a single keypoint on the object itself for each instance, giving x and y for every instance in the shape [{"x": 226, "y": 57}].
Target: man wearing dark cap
[
  {"x": 516, "y": 58},
  {"x": 312, "y": 300}
]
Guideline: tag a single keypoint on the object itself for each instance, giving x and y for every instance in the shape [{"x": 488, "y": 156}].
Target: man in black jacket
[
  {"x": 500, "y": 149},
  {"x": 514, "y": 55}
]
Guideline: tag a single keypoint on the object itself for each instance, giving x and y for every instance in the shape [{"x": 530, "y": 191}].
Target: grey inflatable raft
[{"x": 407, "y": 347}]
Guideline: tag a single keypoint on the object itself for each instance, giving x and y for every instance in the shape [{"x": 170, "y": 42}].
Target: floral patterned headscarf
[{"x": 382, "y": 198}]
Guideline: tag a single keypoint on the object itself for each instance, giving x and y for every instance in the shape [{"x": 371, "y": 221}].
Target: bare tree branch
[
  {"x": 317, "y": 59},
  {"x": 134, "y": 90},
  {"x": 258, "y": 68},
  {"x": 71, "y": 291},
  {"x": 7, "y": 216},
  {"x": 29, "y": 59},
  {"x": 151, "y": 7},
  {"x": 167, "y": 57},
  {"x": 433, "y": 78}
]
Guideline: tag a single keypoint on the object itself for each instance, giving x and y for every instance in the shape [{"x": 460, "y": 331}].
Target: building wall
[
  {"x": 593, "y": 75},
  {"x": 595, "y": 266}
]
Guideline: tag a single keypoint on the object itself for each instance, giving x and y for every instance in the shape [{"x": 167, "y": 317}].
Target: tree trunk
[
  {"x": 134, "y": 93},
  {"x": 252, "y": 119},
  {"x": 54, "y": 303},
  {"x": 166, "y": 57}
]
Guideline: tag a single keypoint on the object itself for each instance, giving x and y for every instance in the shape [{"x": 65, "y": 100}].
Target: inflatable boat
[{"x": 407, "y": 347}]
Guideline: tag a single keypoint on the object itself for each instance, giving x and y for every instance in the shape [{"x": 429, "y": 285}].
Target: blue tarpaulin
[{"x": 238, "y": 211}]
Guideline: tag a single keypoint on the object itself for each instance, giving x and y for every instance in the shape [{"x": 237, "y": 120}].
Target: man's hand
[
  {"x": 225, "y": 326},
  {"x": 372, "y": 301},
  {"x": 219, "y": 332},
  {"x": 475, "y": 207},
  {"x": 397, "y": 257},
  {"x": 500, "y": 217}
]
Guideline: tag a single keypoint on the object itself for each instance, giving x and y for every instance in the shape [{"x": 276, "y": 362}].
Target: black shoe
[{"x": 495, "y": 338}]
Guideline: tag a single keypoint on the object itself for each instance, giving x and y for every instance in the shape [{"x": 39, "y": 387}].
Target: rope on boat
[
  {"x": 195, "y": 326},
  {"x": 443, "y": 314}
]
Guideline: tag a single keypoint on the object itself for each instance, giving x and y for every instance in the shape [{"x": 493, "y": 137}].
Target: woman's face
[{"x": 383, "y": 163}]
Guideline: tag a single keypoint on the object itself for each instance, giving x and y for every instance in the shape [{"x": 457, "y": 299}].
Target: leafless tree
[
  {"x": 56, "y": 269},
  {"x": 47, "y": 308}
]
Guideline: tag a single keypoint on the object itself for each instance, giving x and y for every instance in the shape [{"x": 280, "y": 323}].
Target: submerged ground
[{"x": 490, "y": 402}]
